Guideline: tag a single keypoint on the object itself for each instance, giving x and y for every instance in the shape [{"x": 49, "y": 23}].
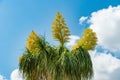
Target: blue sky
[{"x": 19, "y": 17}]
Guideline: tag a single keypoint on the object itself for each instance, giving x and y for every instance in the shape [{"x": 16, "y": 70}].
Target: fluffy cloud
[
  {"x": 15, "y": 75},
  {"x": 106, "y": 24},
  {"x": 2, "y": 77},
  {"x": 106, "y": 67},
  {"x": 72, "y": 40},
  {"x": 83, "y": 19}
]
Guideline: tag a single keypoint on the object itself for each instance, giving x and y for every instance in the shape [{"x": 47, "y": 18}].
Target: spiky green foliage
[
  {"x": 28, "y": 66},
  {"x": 34, "y": 66},
  {"x": 60, "y": 29},
  {"x": 54, "y": 62},
  {"x": 84, "y": 63},
  {"x": 88, "y": 41},
  {"x": 74, "y": 65},
  {"x": 51, "y": 65}
]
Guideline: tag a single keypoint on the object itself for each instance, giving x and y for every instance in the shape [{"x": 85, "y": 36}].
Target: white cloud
[
  {"x": 72, "y": 40},
  {"x": 15, "y": 75},
  {"x": 106, "y": 24},
  {"x": 106, "y": 67},
  {"x": 82, "y": 19},
  {"x": 2, "y": 77}
]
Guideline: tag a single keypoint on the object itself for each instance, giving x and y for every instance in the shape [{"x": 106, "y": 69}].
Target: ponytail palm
[{"x": 42, "y": 61}]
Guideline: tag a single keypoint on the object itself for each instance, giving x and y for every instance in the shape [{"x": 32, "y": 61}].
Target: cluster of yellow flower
[
  {"x": 60, "y": 29},
  {"x": 33, "y": 43},
  {"x": 88, "y": 41}
]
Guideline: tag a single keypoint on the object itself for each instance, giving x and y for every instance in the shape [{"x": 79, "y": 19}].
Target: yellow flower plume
[
  {"x": 88, "y": 41},
  {"x": 33, "y": 43}
]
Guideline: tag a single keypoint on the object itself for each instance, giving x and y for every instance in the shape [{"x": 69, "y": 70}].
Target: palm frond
[
  {"x": 84, "y": 63},
  {"x": 28, "y": 64}
]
